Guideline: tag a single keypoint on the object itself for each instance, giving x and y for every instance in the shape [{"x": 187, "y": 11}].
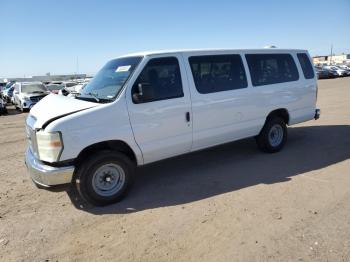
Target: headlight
[
  {"x": 50, "y": 146},
  {"x": 26, "y": 98}
]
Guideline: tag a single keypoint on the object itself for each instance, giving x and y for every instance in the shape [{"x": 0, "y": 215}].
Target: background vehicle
[
  {"x": 67, "y": 88},
  {"x": 323, "y": 73},
  {"x": 340, "y": 72},
  {"x": 8, "y": 93},
  {"x": 54, "y": 88},
  {"x": 27, "y": 94},
  {"x": 346, "y": 68},
  {"x": 140, "y": 109},
  {"x": 5, "y": 89},
  {"x": 3, "y": 109},
  {"x": 2, "y": 86}
]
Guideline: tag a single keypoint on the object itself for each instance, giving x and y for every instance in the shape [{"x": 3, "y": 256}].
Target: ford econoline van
[{"x": 144, "y": 107}]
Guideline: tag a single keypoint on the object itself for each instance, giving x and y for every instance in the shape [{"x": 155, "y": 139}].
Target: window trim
[
  {"x": 218, "y": 55},
  {"x": 251, "y": 75},
  {"x": 160, "y": 99}
]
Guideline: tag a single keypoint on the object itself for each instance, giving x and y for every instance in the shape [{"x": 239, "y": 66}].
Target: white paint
[{"x": 158, "y": 130}]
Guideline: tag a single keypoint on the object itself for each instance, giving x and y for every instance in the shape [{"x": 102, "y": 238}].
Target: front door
[{"x": 159, "y": 108}]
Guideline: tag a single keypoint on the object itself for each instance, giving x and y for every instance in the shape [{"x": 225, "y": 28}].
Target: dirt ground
[{"x": 229, "y": 203}]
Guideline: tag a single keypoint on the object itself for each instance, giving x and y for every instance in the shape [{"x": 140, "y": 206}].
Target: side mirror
[
  {"x": 139, "y": 89},
  {"x": 137, "y": 94},
  {"x": 140, "y": 92}
]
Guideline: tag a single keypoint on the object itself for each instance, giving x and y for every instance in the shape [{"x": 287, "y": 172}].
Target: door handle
[{"x": 188, "y": 117}]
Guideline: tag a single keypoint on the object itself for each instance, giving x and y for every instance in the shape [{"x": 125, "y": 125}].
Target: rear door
[
  {"x": 308, "y": 71},
  {"x": 222, "y": 102},
  {"x": 160, "y": 118}
]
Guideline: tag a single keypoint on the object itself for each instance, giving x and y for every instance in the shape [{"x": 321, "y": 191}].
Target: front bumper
[{"x": 45, "y": 175}]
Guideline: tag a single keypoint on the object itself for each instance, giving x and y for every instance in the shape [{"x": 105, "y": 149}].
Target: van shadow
[{"x": 230, "y": 167}]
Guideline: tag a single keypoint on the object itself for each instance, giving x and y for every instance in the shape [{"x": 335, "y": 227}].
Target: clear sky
[{"x": 47, "y": 36}]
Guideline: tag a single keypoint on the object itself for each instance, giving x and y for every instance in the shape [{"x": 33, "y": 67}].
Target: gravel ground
[{"x": 229, "y": 203}]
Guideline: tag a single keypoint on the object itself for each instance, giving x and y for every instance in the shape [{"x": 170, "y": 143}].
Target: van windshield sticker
[{"x": 123, "y": 68}]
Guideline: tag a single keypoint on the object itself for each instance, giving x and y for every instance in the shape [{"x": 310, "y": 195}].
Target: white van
[{"x": 145, "y": 107}]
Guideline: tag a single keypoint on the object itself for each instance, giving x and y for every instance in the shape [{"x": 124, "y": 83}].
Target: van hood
[{"x": 54, "y": 106}]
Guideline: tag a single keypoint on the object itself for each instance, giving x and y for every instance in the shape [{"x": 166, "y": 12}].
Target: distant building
[
  {"x": 45, "y": 78},
  {"x": 334, "y": 59}
]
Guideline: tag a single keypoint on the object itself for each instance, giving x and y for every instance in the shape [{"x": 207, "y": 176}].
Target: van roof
[{"x": 261, "y": 50}]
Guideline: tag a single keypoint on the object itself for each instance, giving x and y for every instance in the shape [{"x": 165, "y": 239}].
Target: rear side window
[
  {"x": 160, "y": 79},
  {"x": 266, "y": 69},
  {"x": 218, "y": 73},
  {"x": 306, "y": 66}
]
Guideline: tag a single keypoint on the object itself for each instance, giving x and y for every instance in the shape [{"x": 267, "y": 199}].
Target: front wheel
[
  {"x": 104, "y": 178},
  {"x": 273, "y": 136}
]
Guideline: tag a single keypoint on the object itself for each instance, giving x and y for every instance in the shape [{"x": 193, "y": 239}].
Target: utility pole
[
  {"x": 77, "y": 65},
  {"x": 330, "y": 61}
]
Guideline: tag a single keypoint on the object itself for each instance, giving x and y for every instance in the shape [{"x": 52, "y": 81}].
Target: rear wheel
[
  {"x": 104, "y": 178},
  {"x": 273, "y": 136}
]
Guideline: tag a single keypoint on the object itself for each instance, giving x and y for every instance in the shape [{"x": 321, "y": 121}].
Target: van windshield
[{"x": 108, "y": 82}]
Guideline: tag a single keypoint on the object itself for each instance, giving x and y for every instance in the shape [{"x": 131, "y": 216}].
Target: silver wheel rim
[
  {"x": 275, "y": 135},
  {"x": 108, "y": 179}
]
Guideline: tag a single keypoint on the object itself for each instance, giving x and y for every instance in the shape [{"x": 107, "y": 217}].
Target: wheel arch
[
  {"x": 113, "y": 145},
  {"x": 280, "y": 112}
]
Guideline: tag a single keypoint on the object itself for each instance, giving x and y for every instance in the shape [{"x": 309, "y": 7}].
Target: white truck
[{"x": 144, "y": 107}]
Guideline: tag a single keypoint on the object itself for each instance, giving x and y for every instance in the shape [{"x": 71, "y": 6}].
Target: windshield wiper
[{"x": 94, "y": 96}]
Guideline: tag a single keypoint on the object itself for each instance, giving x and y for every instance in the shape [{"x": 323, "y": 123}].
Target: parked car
[
  {"x": 75, "y": 90},
  {"x": 7, "y": 86},
  {"x": 323, "y": 73},
  {"x": 54, "y": 88},
  {"x": 27, "y": 94},
  {"x": 2, "y": 86},
  {"x": 346, "y": 68},
  {"x": 68, "y": 87},
  {"x": 3, "y": 109},
  {"x": 8, "y": 93},
  {"x": 145, "y": 107},
  {"x": 340, "y": 72}
]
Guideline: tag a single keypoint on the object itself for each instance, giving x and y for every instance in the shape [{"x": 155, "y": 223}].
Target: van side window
[
  {"x": 218, "y": 73},
  {"x": 266, "y": 69},
  {"x": 160, "y": 79},
  {"x": 306, "y": 66}
]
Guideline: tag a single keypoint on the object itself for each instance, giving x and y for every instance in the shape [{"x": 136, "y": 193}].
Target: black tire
[
  {"x": 263, "y": 140},
  {"x": 84, "y": 177}
]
